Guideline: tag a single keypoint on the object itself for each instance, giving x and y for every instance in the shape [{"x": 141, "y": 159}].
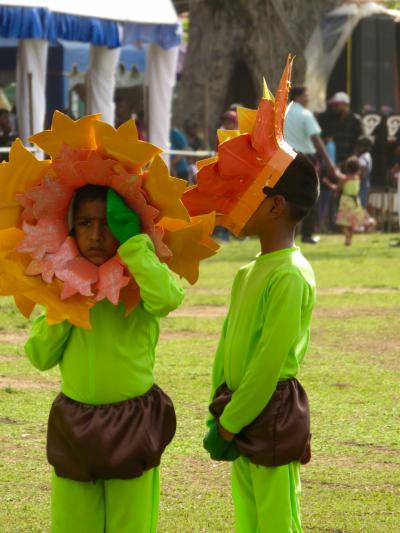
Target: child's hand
[
  {"x": 122, "y": 221},
  {"x": 219, "y": 448}
]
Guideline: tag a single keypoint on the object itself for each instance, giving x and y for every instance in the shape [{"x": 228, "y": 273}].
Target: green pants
[
  {"x": 266, "y": 499},
  {"x": 110, "y": 506}
]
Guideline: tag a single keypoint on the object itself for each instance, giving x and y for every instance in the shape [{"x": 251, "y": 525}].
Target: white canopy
[
  {"x": 138, "y": 11},
  {"x": 328, "y": 40},
  {"x": 105, "y": 25}
]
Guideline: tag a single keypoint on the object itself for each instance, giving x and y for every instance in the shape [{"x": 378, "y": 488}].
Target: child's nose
[{"x": 96, "y": 233}]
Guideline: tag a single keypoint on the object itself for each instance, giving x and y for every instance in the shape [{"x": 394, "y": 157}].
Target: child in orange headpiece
[{"x": 259, "y": 411}]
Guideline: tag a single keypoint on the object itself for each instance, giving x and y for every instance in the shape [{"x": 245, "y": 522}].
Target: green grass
[{"x": 351, "y": 373}]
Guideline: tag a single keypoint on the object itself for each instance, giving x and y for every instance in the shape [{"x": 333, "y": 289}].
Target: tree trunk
[{"x": 233, "y": 44}]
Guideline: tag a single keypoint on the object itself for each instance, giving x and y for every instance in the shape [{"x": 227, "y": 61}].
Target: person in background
[
  {"x": 194, "y": 137},
  {"x": 363, "y": 151},
  {"x": 123, "y": 111},
  {"x": 302, "y": 132},
  {"x": 179, "y": 163},
  {"x": 351, "y": 215},
  {"x": 344, "y": 126},
  {"x": 195, "y": 142},
  {"x": 229, "y": 120},
  {"x": 327, "y": 190},
  {"x": 7, "y": 135},
  {"x": 395, "y": 173}
]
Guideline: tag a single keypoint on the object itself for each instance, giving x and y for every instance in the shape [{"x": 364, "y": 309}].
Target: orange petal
[{"x": 238, "y": 158}]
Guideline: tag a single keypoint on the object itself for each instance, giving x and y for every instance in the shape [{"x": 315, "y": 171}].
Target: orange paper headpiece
[{"x": 249, "y": 159}]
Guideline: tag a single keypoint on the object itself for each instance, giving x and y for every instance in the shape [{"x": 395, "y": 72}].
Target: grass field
[{"x": 351, "y": 373}]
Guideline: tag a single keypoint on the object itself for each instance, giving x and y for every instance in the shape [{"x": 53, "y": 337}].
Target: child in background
[
  {"x": 110, "y": 424},
  {"x": 363, "y": 151},
  {"x": 263, "y": 342},
  {"x": 351, "y": 215}
]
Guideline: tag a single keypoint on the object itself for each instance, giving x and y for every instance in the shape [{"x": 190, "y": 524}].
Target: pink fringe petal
[
  {"x": 53, "y": 263},
  {"x": 46, "y": 237},
  {"x": 111, "y": 280},
  {"x": 78, "y": 277}
]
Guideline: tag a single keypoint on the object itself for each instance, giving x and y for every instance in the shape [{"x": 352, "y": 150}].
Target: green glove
[
  {"x": 122, "y": 221},
  {"x": 219, "y": 448}
]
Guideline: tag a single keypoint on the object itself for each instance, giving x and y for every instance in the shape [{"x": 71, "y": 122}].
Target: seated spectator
[
  {"x": 194, "y": 137},
  {"x": 7, "y": 135},
  {"x": 179, "y": 163}
]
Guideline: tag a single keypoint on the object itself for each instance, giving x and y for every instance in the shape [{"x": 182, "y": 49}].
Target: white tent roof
[{"x": 136, "y": 11}]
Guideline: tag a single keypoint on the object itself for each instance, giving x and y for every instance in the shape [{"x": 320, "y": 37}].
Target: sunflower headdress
[
  {"x": 40, "y": 262},
  {"x": 248, "y": 159}
]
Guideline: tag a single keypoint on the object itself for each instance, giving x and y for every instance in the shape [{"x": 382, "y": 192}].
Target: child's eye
[{"x": 83, "y": 223}]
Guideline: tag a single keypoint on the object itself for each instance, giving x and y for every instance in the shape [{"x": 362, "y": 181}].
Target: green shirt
[
  {"x": 114, "y": 360},
  {"x": 265, "y": 334}
]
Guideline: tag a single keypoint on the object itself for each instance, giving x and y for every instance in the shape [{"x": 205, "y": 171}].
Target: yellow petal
[
  {"x": 24, "y": 305},
  {"x": 21, "y": 172},
  {"x": 246, "y": 119},
  {"x": 189, "y": 245},
  {"x": 267, "y": 95},
  {"x": 165, "y": 192},
  {"x": 14, "y": 282},
  {"x": 209, "y": 161},
  {"x": 224, "y": 135},
  {"x": 76, "y": 134},
  {"x": 75, "y": 309},
  {"x": 123, "y": 144}
]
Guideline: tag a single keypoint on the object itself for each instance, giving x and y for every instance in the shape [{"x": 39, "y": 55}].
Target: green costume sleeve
[
  {"x": 159, "y": 290},
  {"x": 46, "y": 343},
  {"x": 218, "y": 377},
  {"x": 282, "y": 327}
]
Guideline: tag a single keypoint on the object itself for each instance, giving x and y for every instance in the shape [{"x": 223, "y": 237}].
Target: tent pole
[
  {"x": 30, "y": 103},
  {"x": 349, "y": 66}
]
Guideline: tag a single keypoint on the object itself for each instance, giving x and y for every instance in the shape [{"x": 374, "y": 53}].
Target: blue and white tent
[{"x": 105, "y": 26}]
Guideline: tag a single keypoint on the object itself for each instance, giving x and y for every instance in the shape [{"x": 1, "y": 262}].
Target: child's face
[
  {"x": 92, "y": 234},
  {"x": 264, "y": 219}
]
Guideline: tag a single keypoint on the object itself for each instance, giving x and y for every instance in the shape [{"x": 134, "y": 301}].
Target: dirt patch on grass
[
  {"x": 201, "y": 311},
  {"x": 204, "y": 290},
  {"x": 14, "y": 337},
  {"x": 6, "y": 358},
  {"x": 358, "y": 290},
  {"x": 15, "y": 384},
  {"x": 354, "y": 312},
  {"x": 182, "y": 334}
]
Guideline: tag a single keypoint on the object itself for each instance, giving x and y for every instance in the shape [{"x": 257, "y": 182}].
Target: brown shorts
[
  {"x": 113, "y": 441},
  {"x": 281, "y": 432}
]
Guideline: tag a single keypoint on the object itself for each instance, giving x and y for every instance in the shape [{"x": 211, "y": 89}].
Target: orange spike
[
  {"x": 263, "y": 138},
  {"x": 281, "y": 99}
]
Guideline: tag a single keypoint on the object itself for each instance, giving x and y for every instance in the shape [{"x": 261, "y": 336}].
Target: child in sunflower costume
[
  {"x": 259, "y": 415},
  {"x": 93, "y": 235}
]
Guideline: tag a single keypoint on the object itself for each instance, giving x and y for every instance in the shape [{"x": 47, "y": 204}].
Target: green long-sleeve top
[
  {"x": 114, "y": 360},
  {"x": 265, "y": 334}
]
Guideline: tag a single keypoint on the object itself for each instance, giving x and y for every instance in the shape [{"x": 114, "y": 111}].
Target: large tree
[{"x": 233, "y": 44}]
